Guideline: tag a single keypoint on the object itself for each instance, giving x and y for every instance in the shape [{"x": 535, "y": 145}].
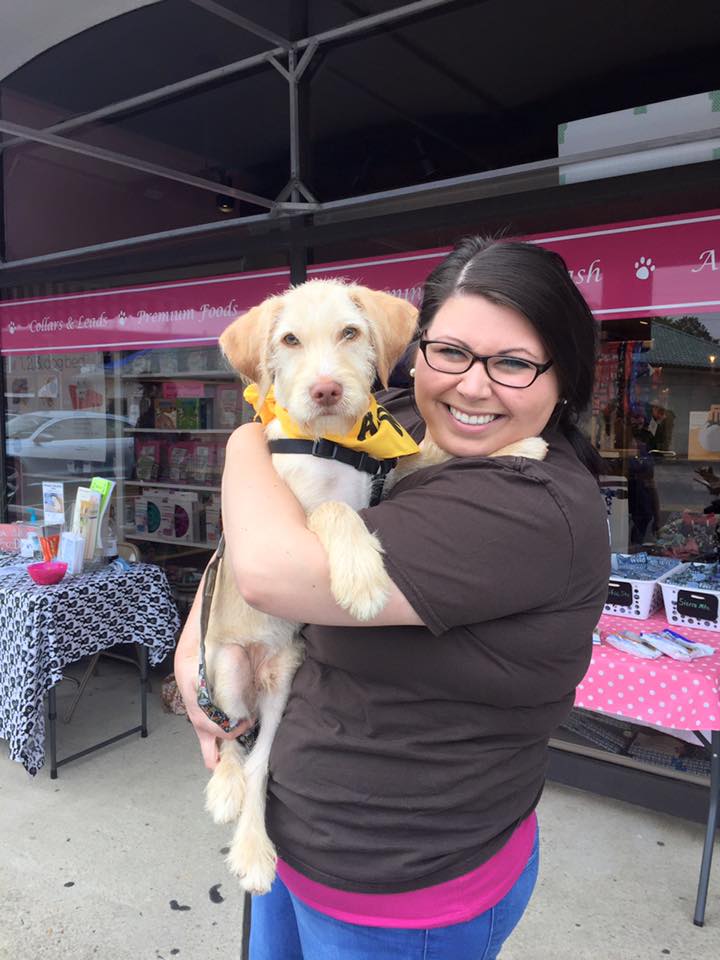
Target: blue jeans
[{"x": 284, "y": 928}]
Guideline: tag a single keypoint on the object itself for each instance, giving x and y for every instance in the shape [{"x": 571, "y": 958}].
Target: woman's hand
[{"x": 187, "y": 655}]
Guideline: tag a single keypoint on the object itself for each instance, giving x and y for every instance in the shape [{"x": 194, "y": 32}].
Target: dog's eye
[
  {"x": 290, "y": 340},
  {"x": 349, "y": 333}
]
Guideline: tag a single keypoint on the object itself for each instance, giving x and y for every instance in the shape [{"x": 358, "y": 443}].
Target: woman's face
[{"x": 447, "y": 400}]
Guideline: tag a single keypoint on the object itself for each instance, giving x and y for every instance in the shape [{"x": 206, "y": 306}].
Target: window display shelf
[
  {"x": 131, "y": 535},
  {"x": 176, "y": 430},
  {"x": 203, "y": 488},
  {"x": 182, "y": 375},
  {"x": 73, "y": 477}
]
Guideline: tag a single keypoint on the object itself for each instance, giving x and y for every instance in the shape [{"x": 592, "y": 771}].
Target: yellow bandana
[{"x": 377, "y": 433}]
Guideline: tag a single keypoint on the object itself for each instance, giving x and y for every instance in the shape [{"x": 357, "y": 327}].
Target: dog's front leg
[
  {"x": 252, "y": 855},
  {"x": 358, "y": 579}
]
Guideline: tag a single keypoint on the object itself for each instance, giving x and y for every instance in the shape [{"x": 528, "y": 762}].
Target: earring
[
  {"x": 412, "y": 373},
  {"x": 564, "y": 403}
]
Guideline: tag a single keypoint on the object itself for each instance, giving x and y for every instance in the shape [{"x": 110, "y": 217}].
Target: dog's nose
[{"x": 326, "y": 393}]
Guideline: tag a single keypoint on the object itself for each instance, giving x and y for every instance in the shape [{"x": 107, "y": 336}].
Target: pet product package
[
  {"x": 85, "y": 519},
  {"x": 203, "y": 464},
  {"x": 633, "y": 644},
  {"x": 211, "y": 520},
  {"x": 147, "y": 513},
  {"x": 228, "y": 406},
  {"x": 180, "y": 516},
  {"x": 147, "y": 459},
  {"x": 72, "y": 547},
  {"x": 219, "y": 462},
  {"x": 180, "y": 457},
  {"x": 194, "y": 413},
  {"x": 165, "y": 414},
  {"x": 676, "y": 646}
]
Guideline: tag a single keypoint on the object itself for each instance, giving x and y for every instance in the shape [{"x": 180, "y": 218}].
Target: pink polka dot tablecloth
[{"x": 662, "y": 692}]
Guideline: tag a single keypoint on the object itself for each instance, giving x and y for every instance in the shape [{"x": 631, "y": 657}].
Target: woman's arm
[
  {"x": 280, "y": 566},
  {"x": 187, "y": 654}
]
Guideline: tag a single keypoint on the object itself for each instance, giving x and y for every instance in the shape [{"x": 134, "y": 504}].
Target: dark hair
[{"x": 535, "y": 282}]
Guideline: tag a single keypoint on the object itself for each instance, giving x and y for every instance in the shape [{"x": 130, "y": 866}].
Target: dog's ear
[
  {"x": 245, "y": 342},
  {"x": 393, "y": 321}
]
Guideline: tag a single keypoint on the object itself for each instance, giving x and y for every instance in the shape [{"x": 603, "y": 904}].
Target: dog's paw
[
  {"x": 253, "y": 860},
  {"x": 368, "y": 597},
  {"x": 362, "y": 587},
  {"x": 225, "y": 792},
  {"x": 532, "y": 448}
]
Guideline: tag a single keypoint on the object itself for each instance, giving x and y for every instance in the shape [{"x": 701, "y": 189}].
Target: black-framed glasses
[{"x": 507, "y": 371}]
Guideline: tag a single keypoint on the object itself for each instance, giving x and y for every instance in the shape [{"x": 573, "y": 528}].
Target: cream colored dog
[{"x": 320, "y": 346}]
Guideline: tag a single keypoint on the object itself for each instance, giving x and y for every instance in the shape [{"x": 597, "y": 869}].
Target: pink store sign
[{"x": 663, "y": 265}]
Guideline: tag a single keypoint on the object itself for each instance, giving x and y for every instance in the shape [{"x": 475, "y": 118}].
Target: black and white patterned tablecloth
[{"x": 44, "y": 628}]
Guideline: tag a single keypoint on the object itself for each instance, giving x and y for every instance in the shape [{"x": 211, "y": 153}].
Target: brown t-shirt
[{"x": 407, "y": 755}]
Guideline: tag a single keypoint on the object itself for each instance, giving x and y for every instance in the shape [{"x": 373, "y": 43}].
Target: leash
[
  {"x": 324, "y": 450},
  {"x": 204, "y": 694},
  {"x": 328, "y": 450},
  {"x": 246, "y": 739},
  {"x": 246, "y": 918}
]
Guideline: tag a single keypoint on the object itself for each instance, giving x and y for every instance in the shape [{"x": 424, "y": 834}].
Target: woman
[{"x": 407, "y": 768}]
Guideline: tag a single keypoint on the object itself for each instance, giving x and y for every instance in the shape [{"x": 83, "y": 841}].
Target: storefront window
[
  {"x": 656, "y": 422},
  {"x": 154, "y": 421},
  {"x": 128, "y": 384}
]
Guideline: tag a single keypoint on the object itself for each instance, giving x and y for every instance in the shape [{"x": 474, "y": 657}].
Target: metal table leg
[
  {"x": 141, "y": 728},
  {"x": 89, "y": 670},
  {"x": 52, "y": 717},
  {"x": 712, "y": 825},
  {"x": 143, "y": 657}
]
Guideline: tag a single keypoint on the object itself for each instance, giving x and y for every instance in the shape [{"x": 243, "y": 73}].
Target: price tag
[
  {"x": 620, "y": 594},
  {"x": 702, "y": 606}
]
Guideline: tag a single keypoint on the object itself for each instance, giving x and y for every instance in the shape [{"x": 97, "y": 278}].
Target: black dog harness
[{"x": 327, "y": 450}]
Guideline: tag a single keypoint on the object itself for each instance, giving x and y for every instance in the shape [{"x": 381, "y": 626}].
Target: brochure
[
  {"x": 53, "y": 502},
  {"x": 85, "y": 519}
]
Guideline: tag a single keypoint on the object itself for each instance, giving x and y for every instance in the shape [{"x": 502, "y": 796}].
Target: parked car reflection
[{"x": 72, "y": 442}]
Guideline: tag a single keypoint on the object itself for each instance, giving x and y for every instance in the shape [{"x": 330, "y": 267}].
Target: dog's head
[{"x": 321, "y": 346}]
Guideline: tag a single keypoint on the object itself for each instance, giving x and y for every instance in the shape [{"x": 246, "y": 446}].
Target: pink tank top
[{"x": 454, "y": 901}]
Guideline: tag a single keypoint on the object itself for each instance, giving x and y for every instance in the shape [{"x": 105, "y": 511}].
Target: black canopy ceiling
[{"x": 462, "y": 88}]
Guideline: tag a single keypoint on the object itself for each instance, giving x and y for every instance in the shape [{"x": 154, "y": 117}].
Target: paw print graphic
[
  {"x": 11, "y": 327},
  {"x": 644, "y": 268}
]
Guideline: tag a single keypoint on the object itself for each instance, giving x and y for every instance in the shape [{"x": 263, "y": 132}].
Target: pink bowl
[{"x": 47, "y": 572}]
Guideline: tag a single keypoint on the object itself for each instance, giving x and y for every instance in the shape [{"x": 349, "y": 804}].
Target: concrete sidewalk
[{"x": 116, "y": 859}]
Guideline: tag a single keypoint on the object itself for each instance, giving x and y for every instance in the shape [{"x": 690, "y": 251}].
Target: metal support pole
[
  {"x": 294, "y": 127},
  {"x": 110, "y": 156},
  {"x": 293, "y": 74},
  {"x": 220, "y": 11},
  {"x": 298, "y": 264},
  {"x": 712, "y": 825}
]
